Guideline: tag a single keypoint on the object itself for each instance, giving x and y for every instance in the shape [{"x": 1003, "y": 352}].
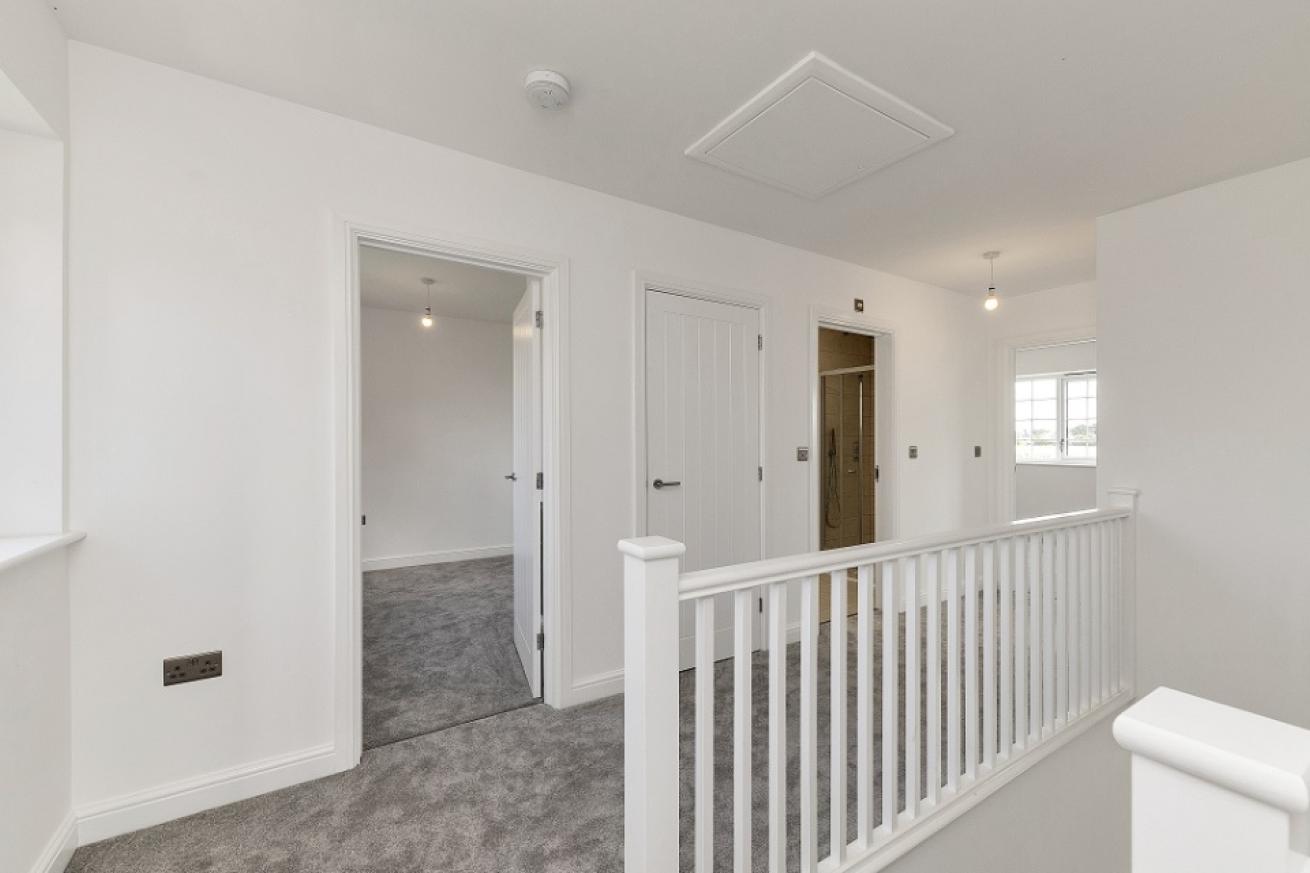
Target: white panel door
[
  {"x": 703, "y": 483},
  {"x": 527, "y": 497}
]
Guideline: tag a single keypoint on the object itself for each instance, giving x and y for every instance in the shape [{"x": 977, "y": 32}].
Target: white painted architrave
[
  {"x": 886, "y": 455},
  {"x": 552, "y": 271}
]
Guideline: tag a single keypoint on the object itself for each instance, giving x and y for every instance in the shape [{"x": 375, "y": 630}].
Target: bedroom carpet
[
  {"x": 439, "y": 648},
  {"x": 534, "y": 790}
]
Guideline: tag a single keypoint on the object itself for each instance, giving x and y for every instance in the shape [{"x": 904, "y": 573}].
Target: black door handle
[{"x": 660, "y": 483}]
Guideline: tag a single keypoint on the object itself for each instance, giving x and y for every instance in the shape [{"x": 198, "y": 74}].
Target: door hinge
[
  {"x": 541, "y": 318},
  {"x": 541, "y": 640},
  {"x": 541, "y": 481},
  {"x": 760, "y": 601},
  {"x": 760, "y": 472},
  {"x": 759, "y": 341},
  {"x": 363, "y": 519}
]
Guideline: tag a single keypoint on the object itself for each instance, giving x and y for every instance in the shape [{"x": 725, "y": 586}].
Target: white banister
[
  {"x": 650, "y": 704},
  {"x": 1215, "y": 789},
  {"x": 1032, "y": 620}
]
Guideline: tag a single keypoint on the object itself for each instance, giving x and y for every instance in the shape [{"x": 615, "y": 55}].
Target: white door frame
[
  {"x": 885, "y": 452},
  {"x": 552, "y": 271},
  {"x": 642, "y": 282},
  {"x": 1004, "y": 351}
]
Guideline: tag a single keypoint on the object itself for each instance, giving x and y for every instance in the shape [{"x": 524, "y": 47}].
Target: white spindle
[
  {"x": 1006, "y": 645},
  {"x": 704, "y": 741},
  {"x": 837, "y": 711},
  {"x": 953, "y": 654},
  {"x": 1061, "y": 626},
  {"x": 933, "y": 696},
  {"x": 971, "y": 662},
  {"x": 1020, "y": 643},
  {"x": 864, "y": 665},
  {"x": 989, "y": 655},
  {"x": 910, "y": 581},
  {"x": 1084, "y": 619},
  {"x": 1036, "y": 643},
  {"x": 777, "y": 727},
  {"x": 742, "y": 823},
  {"x": 1104, "y": 580},
  {"x": 650, "y": 704},
  {"x": 890, "y": 709},
  {"x": 809, "y": 718},
  {"x": 1048, "y": 632},
  {"x": 1118, "y": 667}
]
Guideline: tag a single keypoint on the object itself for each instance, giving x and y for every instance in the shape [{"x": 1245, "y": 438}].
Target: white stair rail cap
[
  {"x": 1252, "y": 755},
  {"x": 652, "y": 548}
]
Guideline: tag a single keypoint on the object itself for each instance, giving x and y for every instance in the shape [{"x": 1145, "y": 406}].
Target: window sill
[
  {"x": 1055, "y": 464},
  {"x": 20, "y": 550}
]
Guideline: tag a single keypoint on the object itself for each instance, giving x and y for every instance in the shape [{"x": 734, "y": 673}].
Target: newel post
[
  {"x": 650, "y": 704},
  {"x": 1127, "y": 498},
  {"x": 1215, "y": 789}
]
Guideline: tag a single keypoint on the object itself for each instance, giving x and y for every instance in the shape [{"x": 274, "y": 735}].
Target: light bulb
[
  {"x": 426, "y": 321},
  {"x": 991, "y": 302}
]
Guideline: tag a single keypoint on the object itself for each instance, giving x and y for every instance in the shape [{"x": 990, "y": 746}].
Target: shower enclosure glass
[{"x": 847, "y": 455}]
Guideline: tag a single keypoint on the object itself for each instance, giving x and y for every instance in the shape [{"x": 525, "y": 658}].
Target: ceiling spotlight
[
  {"x": 426, "y": 320},
  {"x": 991, "y": 301},
  {"x": 547, "y": 89}
]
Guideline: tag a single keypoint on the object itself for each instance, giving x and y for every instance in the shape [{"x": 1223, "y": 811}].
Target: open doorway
[
  {"x": 451, "y": 510},
  {"x": 847, "y": 448}
]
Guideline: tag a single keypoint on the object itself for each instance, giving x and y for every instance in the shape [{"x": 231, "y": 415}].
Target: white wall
[
  {"x": 31, "y": 333},
  {"x": 1205, "y": 303},
  {"x": 1047, "y": 489},
  {"x": 437, "y": 408},
  {"x": 35, "y": 820},
  {"x": 34, "y": 59},
  {"x": 1062, "y": 358},
  {"x": 201, "y": 333}
]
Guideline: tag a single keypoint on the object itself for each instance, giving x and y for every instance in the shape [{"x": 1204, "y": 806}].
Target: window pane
[
  {"x": 1044, "y": 409},
  {"x": 1077, "y": 408},
  {"x": 1023, "y": 390},
  {"x": 1077, "y": 388},
  {"x": 1043, "y": 389}
]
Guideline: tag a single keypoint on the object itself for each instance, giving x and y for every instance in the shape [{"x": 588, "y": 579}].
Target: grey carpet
[
  {"x": 530, "y": 790},
  {"x": 439, "y": 648}
]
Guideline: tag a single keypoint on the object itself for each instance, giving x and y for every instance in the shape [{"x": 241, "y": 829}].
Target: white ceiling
[
  {"x": 1063, "y": 111},
  {"x": 391, "y": 280}
]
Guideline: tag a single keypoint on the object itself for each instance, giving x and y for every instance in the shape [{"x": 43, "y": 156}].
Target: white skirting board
[
  {"x": 152, "y": 806},
  {"x": 395, "y": 562},
  {"x": 595, "y": 687},
  {"x": 59, "y": 850}
]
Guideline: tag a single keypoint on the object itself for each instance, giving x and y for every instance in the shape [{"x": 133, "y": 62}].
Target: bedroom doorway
[{"x": 847, "y": 452}]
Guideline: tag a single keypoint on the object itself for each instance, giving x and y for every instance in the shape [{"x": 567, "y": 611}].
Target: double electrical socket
[{"x": 190, "y": 668}]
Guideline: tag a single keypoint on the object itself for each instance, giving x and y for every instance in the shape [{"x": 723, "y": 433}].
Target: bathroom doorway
[{"x": 847, "y": 450}]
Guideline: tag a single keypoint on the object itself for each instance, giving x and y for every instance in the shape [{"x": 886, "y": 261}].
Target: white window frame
[{"x": 1062, "y": 380}]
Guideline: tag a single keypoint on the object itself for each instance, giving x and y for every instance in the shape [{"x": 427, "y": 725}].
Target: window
[{"x": 1055, "y": 419}]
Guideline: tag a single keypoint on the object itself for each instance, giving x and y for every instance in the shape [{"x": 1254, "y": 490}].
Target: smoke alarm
[{"x": 547, "y": 89}]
